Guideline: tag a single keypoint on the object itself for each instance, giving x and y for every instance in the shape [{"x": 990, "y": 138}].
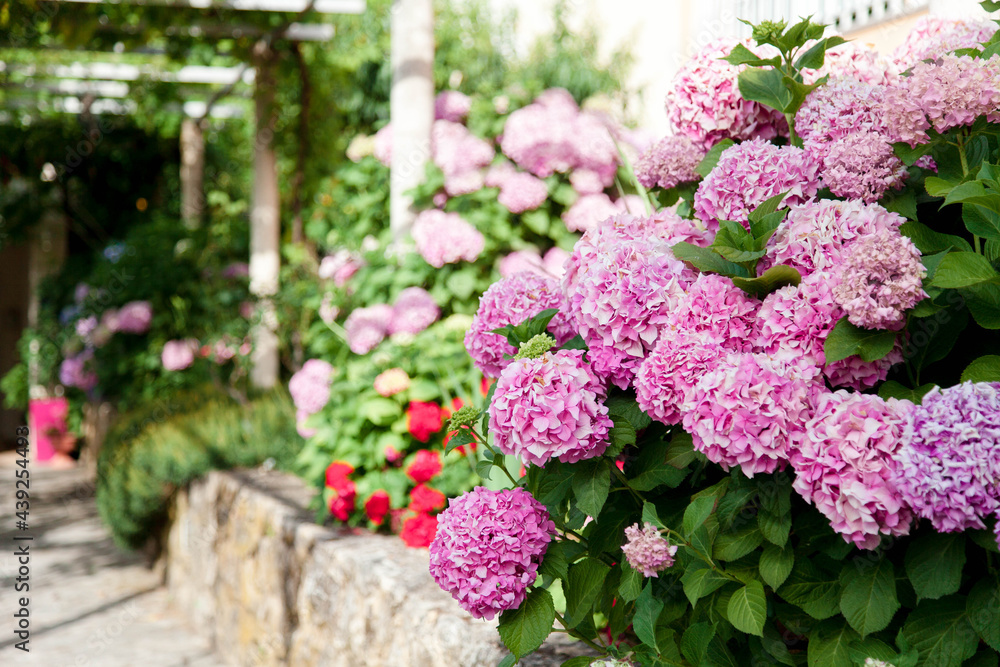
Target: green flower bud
[
  {"x": 536, "y": 347},
  {"x": 464, "y": 416}
]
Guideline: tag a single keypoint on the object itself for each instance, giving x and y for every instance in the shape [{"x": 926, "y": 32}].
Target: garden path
[{"x": 92, "y": 605}]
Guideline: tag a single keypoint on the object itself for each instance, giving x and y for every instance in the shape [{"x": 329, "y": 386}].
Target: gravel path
[{"x": 91, "y": 604}]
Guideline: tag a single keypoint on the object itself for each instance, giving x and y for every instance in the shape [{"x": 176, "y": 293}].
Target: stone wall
[{"x": 245, "y": 562}]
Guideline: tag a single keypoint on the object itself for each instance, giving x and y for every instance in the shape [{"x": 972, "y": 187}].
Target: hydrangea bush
[
  {"x": 758, "y": 423},
  {"x": 380, "y": 328}
]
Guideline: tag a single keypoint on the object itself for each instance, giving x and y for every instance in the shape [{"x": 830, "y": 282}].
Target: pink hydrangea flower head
[
  {"x": 134, "y": 317},
  {"x": 452, "y": 105},
  {"x": 934, "y": 36},
  {"x": 793, "y": 324},
  {"x": 549, "y": 407},
  {"x": 488, "y": 547},
  {"x": 594, "y": 145},
  {"x": 621, "y": 283},
  {"x": 665, "y": 377},
  {"x": 77, "y": 371},
  {"x": 813, "y": 236},
  {"x": 950, "y": 92},
  {"x": 460, "y": 155},
  {"x": 539, "y": 137},
  {"x": 705, "y": 104},
  {"x": 340, "y": 266},
  {"x": 498, "y": 173},
  {"x": 178, "y": 354},
  {"x": 949, "y": 466},
  {"x": 522, "y": 192},
  {"x": 647, "y": 551},
  {"x": 391, "y": 382},
  {"x": 749, "y": 173},
  {"x": 669, "y": 162},
  {"x": 520, "y": 261},
  {"x": 300, "y": 425},
  {"x": 749, "y": 410},
  {"x": 555, "y": 261},
  {"x": 328, "y": 310},
  {"x": 587, "y": 181},
  {"x": 589, "y": 211},
  {"x": 858, "y": 62},
  {"x": 413, "y": 311},
  {"x": 840, "y": 108},
  {"x": 511, "y": 301},
  {"x": 367, "y": 327},
  {"x": 846, "y": 465},
  {"x": 382, "y": 149},
  {"x": 310, "y": 386},
  {"x": 445, "y": 238},
  {"x": 715, "y": 308},
  {"x": 881, "y": 278},
  {"x": 862, "y": 166},
  {"x": 85, "y": 326}
]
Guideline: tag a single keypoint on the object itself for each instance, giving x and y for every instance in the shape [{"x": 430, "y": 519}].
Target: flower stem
[
  {"x": 624, "y": 480},
  {"x": 574, "y": 633}
]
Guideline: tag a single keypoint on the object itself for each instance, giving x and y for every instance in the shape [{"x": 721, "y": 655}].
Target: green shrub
[{"x": 163, "y": 445}]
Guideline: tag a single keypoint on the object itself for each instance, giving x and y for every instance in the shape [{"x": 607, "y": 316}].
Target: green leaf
[
  {"x": 650, "y": 469},
  {"x": 463, "y": 437},
  {"x": 621, "y": 435},
  {"x": 711, "y": 159},
  {"x": 699, "y": 583},
  {"x": 707, "y": 259},
  {"x": 628, "y": 408},
  {"x": 929, "y": 241},
  {"x": 934, "y": 564},
  {"x": 829, "y": 644},
  {"x": 736, "y": 544},
  {"x": 981, "y": 221},
  {"x": 771, "y": 280},
  {"x": 765, "y": 86},
  {"x": 940, "y": 632},
  {"x": 696, "y": 513},
  {"x": 893, "y": 389},
  {"x": 484, "y": 468},
  {"x": 631, "y": 583},
  {"x": 747, "y": 609},
  {"x": 647, "y": 611},
  {"x": 649, "y": 514},
  {"x": 910, "y": 155},
  {"x": 869, "y": 601},
  {"x": 812, "y": 58},
  {"x": 591, "y": 482},
  {"x": 983, "y": 369},
  {"x": 380, "y": 411},
  {"x": 523, "y": 630},
  {"x": 846, "y": 340},
  {"x": 775, "y": 527},
  {"x": 983, "y": 610},
  {"x": 579, "y": 661},
  {"x": 741, "y": 55},
  {"x": 555, "y": 563},
  {"x": 764, "y": 209},
  {"x": 983, "y": 658},
  {"x": 537, "y": 221},
  {"x": 903, "y": 203},
  {"x": 583, "y": 585},
  {"x": 509, "y": 661},
  {"x": 681, "y": 452},
  {"x": 871, "y": 647},
  {"x": 816, "y": 593},
  {"x": 776, "y": 564},
  {"x": 983, "y": 301},
  {"x": 962, "y": 269},
  {"x": 694, "y": 643}
]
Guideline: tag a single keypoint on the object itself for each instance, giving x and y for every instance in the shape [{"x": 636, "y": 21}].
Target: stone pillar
[
  {"x": 265, "y": 223},
  {"x": 411, "y": 105},
  {"x": 192, "y": 173}
]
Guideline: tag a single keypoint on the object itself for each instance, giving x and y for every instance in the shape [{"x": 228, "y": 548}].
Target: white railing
[{"x": 843, "y": 15}]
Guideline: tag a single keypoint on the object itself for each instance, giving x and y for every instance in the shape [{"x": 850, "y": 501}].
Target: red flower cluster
[
  {"x": 344, "y": 492},
  {"x": 424, "y": 419},
  {"x": 418, "y": 531},
  {"x": 377, "y": 506},
  {"x": 426, "y": 465},
  {"x": 426, "y": 499}
]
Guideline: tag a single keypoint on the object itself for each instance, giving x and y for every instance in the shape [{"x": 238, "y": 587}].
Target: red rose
[
  {"x": 425, "y": 466},
  {"x": 377, "y": 506},
  {"x": 342, "y": 501},
  {"x": 336, "y": 474},
  {"x": 423, "y": 419},
  {"x": 419, "y": 530},
  {"x": 426, "y": 499}
]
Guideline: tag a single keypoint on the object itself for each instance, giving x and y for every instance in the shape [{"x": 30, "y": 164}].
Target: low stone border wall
[{"x": 245, "y": 561}]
